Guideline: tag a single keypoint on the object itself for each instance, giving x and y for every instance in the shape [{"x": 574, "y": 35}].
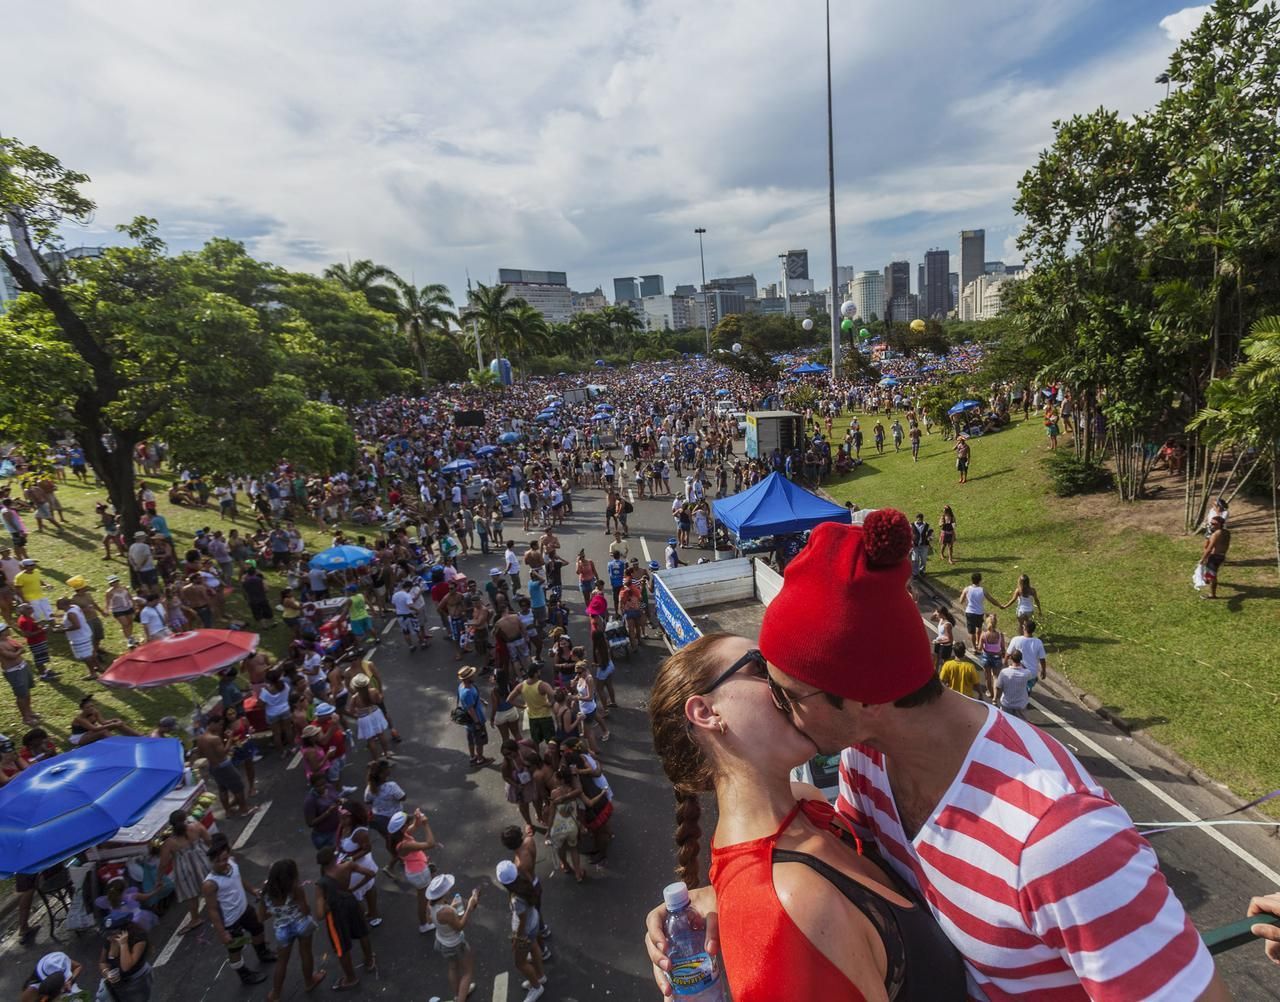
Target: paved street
[{"x": 598, "y": 925}]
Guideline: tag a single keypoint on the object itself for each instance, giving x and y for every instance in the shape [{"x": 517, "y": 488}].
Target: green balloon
[
  {"x": 864, "y": 332},
  {"x": 846, "y": 324}
]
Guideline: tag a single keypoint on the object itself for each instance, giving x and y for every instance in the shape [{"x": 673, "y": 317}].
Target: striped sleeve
[{"x": 1091, "y": 888}]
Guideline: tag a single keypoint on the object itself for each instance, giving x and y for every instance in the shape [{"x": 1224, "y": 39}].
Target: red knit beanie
[{"x": 844, "y": 622}]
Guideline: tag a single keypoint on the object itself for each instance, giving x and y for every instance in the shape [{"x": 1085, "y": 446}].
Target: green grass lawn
[
  {"x": 1121, "y": 619},
  {"x": 77, "y": 550}
]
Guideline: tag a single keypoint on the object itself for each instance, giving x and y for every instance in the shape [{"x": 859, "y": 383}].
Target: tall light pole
[
  {"x": 831, "y": 195},
  {"x": 706, "y": 312}
]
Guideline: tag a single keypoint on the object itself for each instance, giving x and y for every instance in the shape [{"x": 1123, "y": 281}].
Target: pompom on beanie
[{"x": 844, "y": 621}]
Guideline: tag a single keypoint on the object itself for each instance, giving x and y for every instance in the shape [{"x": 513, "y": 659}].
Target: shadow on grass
[
  {"x": 1136, "y": 723},
  {"x": 1251, "y": 592},
  {"x": 1062, "y": 642},
  {"x": 992, "y": 473}
]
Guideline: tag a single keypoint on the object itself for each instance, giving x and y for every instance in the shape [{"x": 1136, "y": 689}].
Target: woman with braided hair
[{"x": 803, "y": 912}]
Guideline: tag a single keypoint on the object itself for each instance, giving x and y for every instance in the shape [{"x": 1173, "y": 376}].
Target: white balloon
[
  {"x": 807, "y": 324},
  {"x": 849, "y": 308},
  {"x": 737, "y": 349}
]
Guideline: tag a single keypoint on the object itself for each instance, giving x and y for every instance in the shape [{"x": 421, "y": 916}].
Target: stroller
[{"x": 615, "y": 632}]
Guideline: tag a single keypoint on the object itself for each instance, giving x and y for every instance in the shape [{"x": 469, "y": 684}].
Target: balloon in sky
[
  {"x": 807, "y": 324},
  {"x": 917, "y": 325},
  {"x": 846, "y": 324},
  {"x": 864, "y": 333},
  {"x": 849, "y": 308}
]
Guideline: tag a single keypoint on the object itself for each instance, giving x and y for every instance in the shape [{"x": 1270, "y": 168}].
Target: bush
[{"x": 1071, "y": 475}]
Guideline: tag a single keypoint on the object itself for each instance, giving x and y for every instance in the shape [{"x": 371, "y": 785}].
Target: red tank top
[{"x": 766, "y": 956}]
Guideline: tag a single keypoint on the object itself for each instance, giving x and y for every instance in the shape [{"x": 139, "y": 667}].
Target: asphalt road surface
[{"x": 597, "y": 925}]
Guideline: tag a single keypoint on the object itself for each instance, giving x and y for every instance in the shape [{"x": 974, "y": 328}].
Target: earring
[{"x": 724, "y": 728}]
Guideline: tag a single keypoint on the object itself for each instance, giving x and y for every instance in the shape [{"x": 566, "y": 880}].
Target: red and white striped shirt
[{"x": 1035, "y": 874}]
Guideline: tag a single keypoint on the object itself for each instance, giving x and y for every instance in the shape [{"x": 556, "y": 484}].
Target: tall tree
[
  {"x": 377, "y": 283},
  {"x": 527, "y": 331},
  {"x": 423, "y": 313},
  {"x": 492, "y": 306}
]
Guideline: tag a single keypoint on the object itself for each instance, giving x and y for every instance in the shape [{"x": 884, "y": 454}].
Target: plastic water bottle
[{"x": 693, "y": 974}]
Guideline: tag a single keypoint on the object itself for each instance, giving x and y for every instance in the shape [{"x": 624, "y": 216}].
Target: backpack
[{"x": 628, "y": 507}]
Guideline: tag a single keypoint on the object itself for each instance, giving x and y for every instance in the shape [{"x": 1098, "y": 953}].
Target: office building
[
  {"x": 897, "y": 280},
  {"x": 993, "y": 267},
  {"x": 844, "y": 275},
  {"x": 982, "y": 298},
  {"x": 625, "y": 290},
  {"x": 902, "y": 308},
  {"x": 661, "y": 312},
  {"x": 868, "y": 294},
  {"x": 796, "y": 264},
  {"x": 920, "y": 280},
  {"x": 769, "y": 291},
  {"x": 546, "y": 291},
  {"x": 650, "y": 285},
  {"x": 744, "y": 285},
  {"x": 953, "y": 290},
  {"x": 588, "y": 302},
  {"x": 685, "y": 290},
  {"x": 8, "y": 288},
  {"x": 973, "y": 252},
  {"x": 710, "y": 306},
  {"x": 935, "y": 286},
  {"x": 768, "y": 304}
]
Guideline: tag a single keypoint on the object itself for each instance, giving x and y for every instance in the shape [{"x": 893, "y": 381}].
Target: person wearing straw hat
[
  {"x": 365, "y": 707},
  {"x": 82, "y": 596},
  {"x": 450, "y": 918},
  {"x": 470, "y": 703}
]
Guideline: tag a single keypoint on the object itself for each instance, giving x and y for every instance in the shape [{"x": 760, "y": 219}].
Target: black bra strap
[{"x": 880, "y": 912}]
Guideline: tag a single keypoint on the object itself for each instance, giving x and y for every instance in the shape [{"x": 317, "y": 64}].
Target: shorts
[
  {"x": 227, "y": 776},
  {"x": 97, "y": 631},
  {"x": 1211, "y": 565},
  {"x": 962, "y": 465},
  {"x": 19, "y": 538},
  {"x": 991, "y": 662},
  {"x": 150, "y": 577},
  {"x": 973, "y": 620},
  {"x": 360, "y": 627},
  {"x": 510, "y": 715},
  {"x": 601, "y": 817},
  {"x": 457, "y": 628},
  {"x": 82, "y": 649},
  {"x": 248, "y": 924},
  {"x": 19, "y": 680},
  {"x": 452, "y": 952},
  {"x": 540, "y": 617},
  {"x": 123, "y": 614},
  {"x": 633, "y": 613},
  {"x": 541, "y": 729},
  {"x": 477, "y": 734},
  {"x": 287, "y": 932},
  {"x": 605, "y": 672},
  {"x": 408, "y": 624}
]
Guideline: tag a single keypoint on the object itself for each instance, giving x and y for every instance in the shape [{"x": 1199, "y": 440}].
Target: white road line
[
  {"x": 1242, "y": 854},
  {"x": 386, "y": 628},
  {"x": 171, "y": 947},
  {"x": 251, "y": 827},
  {"x": 644, "y": 545},
  {"x": 293, "y": 762},
  {"x": 500, "y": 987}
]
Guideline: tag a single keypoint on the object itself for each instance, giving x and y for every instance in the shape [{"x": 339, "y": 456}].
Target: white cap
[
  {"x": 440, "y": 886},
  {"x": 397, "y": 821},
  {"x": 506, "y": 873},
  {"x": 675, "y": 896}
]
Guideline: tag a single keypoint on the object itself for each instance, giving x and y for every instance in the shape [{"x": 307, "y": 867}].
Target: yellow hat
[{"x": 76, "y": 582}]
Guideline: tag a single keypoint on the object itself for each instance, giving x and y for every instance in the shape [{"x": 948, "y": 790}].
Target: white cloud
[
  {"x": 589, "y": 136},
  {"x": 1181, "y": 24}
]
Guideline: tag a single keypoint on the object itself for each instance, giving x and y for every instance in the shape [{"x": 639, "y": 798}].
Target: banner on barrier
[{"x": 675, "y": 622}]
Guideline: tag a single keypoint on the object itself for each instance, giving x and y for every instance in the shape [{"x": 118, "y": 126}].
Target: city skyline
[{"x": 388, "y": 135}]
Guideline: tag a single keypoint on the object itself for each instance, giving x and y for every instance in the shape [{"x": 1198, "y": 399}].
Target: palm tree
[
  {"x": 491, "y": 308},
  {"x": 592, "y": 332},
  {"x": 419, "y": 313},
  {"x": 528, "y": 331},
  {"x": 375, "y": 282},
  {"x": 483, "y": 379}
]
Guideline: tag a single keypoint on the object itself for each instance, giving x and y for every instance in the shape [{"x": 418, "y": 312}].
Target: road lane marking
[
  {"x": 387, "y": 628},
  {"x": 644, "y": 545},
  {"x": 293, "y": 762},
  {"x": 171, "y": 947},
  {"x": 251, "y": 827},
  {"x": 500, "y": 987},
  {"x": 1242, "y": 854}
]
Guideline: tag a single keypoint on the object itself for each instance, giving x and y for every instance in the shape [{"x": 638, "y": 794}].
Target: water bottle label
[{"x": 693, "y": 974}]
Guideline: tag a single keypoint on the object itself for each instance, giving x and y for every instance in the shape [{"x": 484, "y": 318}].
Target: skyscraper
[
  {"x": 897, "y": 286},
  {"x": 973, "y": 252},
  {"x": 546, "y": 291},
  {"x": 868, "y": 294},
  {"x": 953, "y": 290},
  {"x": 625, "y": 290},
  {"x": 844, "y": 275},
  {"x": 797, "y": 264},
  {"x": 935, "y": 291},
  {"x": 650, "y": 285},
  {"x": 920, "y": 280}
]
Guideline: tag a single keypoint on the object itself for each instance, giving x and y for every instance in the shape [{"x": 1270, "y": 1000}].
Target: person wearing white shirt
[
  {"x": 153, "y": 620},
  {"x": 402, "y": 600},
  {"x": 1013, "y": 686},
  {"x": 1030, "y": 649}
]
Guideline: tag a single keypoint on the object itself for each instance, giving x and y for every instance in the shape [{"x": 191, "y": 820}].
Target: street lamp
[
  {"x": 1164, "y": 79},
  {"x": 706, "y": 323},
  {"x": 831, "y": 194}
]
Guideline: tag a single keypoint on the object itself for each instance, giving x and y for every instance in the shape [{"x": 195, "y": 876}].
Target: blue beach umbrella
[
  {"x": 341, "y": 558},
  {"x": 964, "y": 405},
  {"x": 509, "y": 437},
  {"x": 485, "y": 451},
  {"x": 458, "y": 466},
  {"x": 63, "y": 805},
  {"x": 600, "y": 417}
]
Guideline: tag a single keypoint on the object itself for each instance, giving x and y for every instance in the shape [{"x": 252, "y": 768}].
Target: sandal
[
  {"x": 342, "y": 985},
  {"x": 317, "y": 980}
]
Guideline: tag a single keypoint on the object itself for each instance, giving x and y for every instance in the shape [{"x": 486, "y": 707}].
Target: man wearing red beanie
[{"x": 1032, "y": 870}]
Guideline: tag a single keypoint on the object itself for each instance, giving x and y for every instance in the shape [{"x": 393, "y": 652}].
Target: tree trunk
[{"x": 1275, "y": 497}]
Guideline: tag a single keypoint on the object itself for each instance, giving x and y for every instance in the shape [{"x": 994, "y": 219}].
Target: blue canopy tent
[
  {"x": 509, "y": 437},
  {"x": 965, "y": 405},
  {"x": 458, "y": 466},
  {"x": 775, "y": 506},
  {"x": 888, "y": 381},
  {"x": 809, "y": 369}
]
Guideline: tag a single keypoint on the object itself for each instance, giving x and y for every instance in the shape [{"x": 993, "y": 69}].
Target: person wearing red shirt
[{"x": 37, "y": 640}]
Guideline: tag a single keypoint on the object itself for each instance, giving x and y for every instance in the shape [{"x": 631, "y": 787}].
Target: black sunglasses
[{"x": 751, "y": 657}]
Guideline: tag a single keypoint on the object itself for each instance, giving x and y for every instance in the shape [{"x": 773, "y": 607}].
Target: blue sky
[{"x": 587, "y": 136}]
